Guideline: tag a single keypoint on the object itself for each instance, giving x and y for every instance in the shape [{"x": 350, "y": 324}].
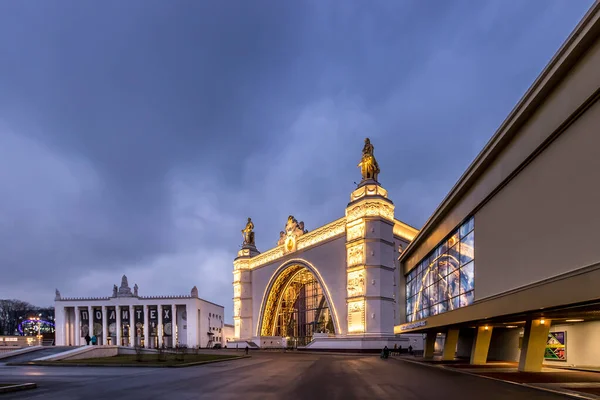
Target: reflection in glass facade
[{"x": 444, "y": 279}]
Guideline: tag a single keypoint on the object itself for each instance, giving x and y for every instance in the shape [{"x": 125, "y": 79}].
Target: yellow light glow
[
  {"x": 356, "y": 283},
  {"x": 542, "y": 321},
  {"x": 237, "y": 290},
  {"x": 326, "y": 232},
  {"x": 312, "y": 269},
  {"x": 370, "y": 208},
  {"x": 355, "y": 231},
  {"x": 404, "y": 231},
  {"x": 368, "y": 190},
  {"x": 356, "y": 255},
  {"x": 486, "y": 327},
  {"x": 356, "y": 316},
  {"x": 574, "y": 320},
  {"x": 237, "y": 307}
]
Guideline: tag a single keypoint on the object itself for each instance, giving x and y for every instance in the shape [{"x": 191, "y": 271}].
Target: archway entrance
[{"x": 297, "y": 307}]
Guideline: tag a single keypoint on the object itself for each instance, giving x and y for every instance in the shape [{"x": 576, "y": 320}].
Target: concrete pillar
[
  {"x": 534, "y": 345},
  {"x": 132, "y": 327},
  {"x": 91, "y": 321},
  {"x": 450, "y": 344},
  {"x": 146, "y": 328},
  {"x": 118, "y": 316},
  {"x": 65, "y": 327},
  {"x": 104, "y": 325},
  {"x": 173, "y": 325},
  {"x": 429, "y": 345},
  {"x": 481, "y": 345},
  {"x": 77, "y": 329},
  {"x": 160, "y": 325}
]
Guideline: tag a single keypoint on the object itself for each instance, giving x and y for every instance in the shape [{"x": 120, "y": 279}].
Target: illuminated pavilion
[{"x": 331, "y": 288}]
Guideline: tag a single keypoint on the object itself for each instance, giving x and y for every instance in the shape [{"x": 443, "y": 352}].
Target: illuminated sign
[{"x": 413, "y": 325}]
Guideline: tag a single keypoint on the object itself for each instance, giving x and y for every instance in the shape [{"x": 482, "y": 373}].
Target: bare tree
[{"x": 10, "y": 310}]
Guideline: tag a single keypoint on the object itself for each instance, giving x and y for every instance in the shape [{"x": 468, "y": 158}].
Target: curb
[
  {"x": 571, "y": 395},
  {"x": 59, "y": 364},
  {"x": 17, "y": 387}
]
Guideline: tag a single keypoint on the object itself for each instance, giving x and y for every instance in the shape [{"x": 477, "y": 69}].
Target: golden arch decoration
[{"x": 275, "y": 288}]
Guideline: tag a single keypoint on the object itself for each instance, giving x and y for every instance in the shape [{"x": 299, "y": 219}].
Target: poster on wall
[
  {"x": 85, "y": 322},
  {"x": 556, "y": 346}
]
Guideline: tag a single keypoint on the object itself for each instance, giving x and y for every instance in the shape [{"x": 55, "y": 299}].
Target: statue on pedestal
[
  {"x": 56, "y": 295},
  {"x": 135, "y": 290},
  {"x": 368, "y": 164},
  {"x": 248, "y": 233},
  {"x": 115, "y": 290}
]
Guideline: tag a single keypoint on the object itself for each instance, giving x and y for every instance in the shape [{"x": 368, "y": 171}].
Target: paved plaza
[{"x": 266, "y": 376}]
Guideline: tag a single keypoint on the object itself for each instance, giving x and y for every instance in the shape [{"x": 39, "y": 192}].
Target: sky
[{"x": 137, "y": 137}]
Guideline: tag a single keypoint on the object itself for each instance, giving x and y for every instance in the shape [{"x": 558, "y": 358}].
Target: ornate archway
[{"x": 297, "y": 304}]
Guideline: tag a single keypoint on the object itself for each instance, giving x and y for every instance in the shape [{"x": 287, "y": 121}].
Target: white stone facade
[
  {"x": 354, "y": 259},
  {"x": 127, "y": 319}
]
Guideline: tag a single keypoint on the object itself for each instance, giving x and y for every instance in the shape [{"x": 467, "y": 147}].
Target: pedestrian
[
  {"x": 87, "y": 338},
  {"x": 410, "y": 349},
  {"x": 236, "y": 346},
  {"x": 246, "y": 349},
  {"x": 94, "y": 340},
  {"x": 386, "y": 352}
]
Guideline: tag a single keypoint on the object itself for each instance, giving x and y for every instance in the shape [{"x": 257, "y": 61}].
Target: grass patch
[{"x": 143, "y": 359}]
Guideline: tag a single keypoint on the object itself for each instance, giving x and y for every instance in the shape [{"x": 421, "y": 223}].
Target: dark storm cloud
[{"x": 137, "y": 136}]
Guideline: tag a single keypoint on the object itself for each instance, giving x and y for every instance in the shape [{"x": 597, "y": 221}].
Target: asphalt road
[{"x": 265, "y": 376}]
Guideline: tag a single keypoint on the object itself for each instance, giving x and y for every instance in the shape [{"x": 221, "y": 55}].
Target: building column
[
  {"x": 534, "y": 345},
  {"x": 160, "y": 325},
  {"x": 429, "y": 345},
  {"x": 77, "y": 327},
  {"x": 91, "y": 321},
  {"x": 118, "y": 316},
  {"x": 450, "y": 344},
  {"x": 146, "y": 328},
  {"x": 104, "y": 326},
  {"x": 132, "y": 328},
  {"x": 481, "y": 345},
  {"x": 173, "y": 325}
]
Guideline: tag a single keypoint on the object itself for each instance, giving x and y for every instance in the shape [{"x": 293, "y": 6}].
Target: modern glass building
[{"x": 508, "y": 266}]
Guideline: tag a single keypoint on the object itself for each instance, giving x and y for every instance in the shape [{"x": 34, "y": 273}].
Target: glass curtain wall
[{"x": 443, "y": 281}]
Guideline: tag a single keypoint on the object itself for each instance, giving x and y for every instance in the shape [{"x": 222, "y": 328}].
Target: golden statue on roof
[{"x": 368, "y": 164}]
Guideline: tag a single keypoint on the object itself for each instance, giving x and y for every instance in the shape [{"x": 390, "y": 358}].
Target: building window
[{"x": 444, "y": 280}]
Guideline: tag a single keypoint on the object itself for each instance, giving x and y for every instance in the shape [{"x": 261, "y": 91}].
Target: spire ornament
[
  {"x": 368, "y": 164},
  {"x": 248, "y": 234}
]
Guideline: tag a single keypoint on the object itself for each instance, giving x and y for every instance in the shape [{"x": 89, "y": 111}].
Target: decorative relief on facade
[
  {"x": 368, "y": 190},
  {"x": 308, "y": 239},
  {"x": 356, "y": 255},
  {"x": 237, "y": 307},
  {"x": 319, "y": 235},
  {"x": 356, "y": 316},
  {"x": 237, "y": 290},
  {"x": 237, "y": 276},
  {"x": 242, "y": 263},
  {"x": 370, "y": 208},
  {"x": 266, "y": 257},
  {"x": 293, "y": 229},
  {"x": 356, "y": 283},
  {"x": 355, "y": 232}
]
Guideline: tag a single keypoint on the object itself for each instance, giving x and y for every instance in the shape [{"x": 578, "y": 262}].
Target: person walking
[
  {"x": 87, "y": 338},
  {"x": 94, "y": 340},
  {"x": 246, "y": 349}
]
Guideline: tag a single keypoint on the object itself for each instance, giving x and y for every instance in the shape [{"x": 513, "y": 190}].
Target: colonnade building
[
  {"x": 128, "y": 319},
  {"x": 508, "y": 266}
]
